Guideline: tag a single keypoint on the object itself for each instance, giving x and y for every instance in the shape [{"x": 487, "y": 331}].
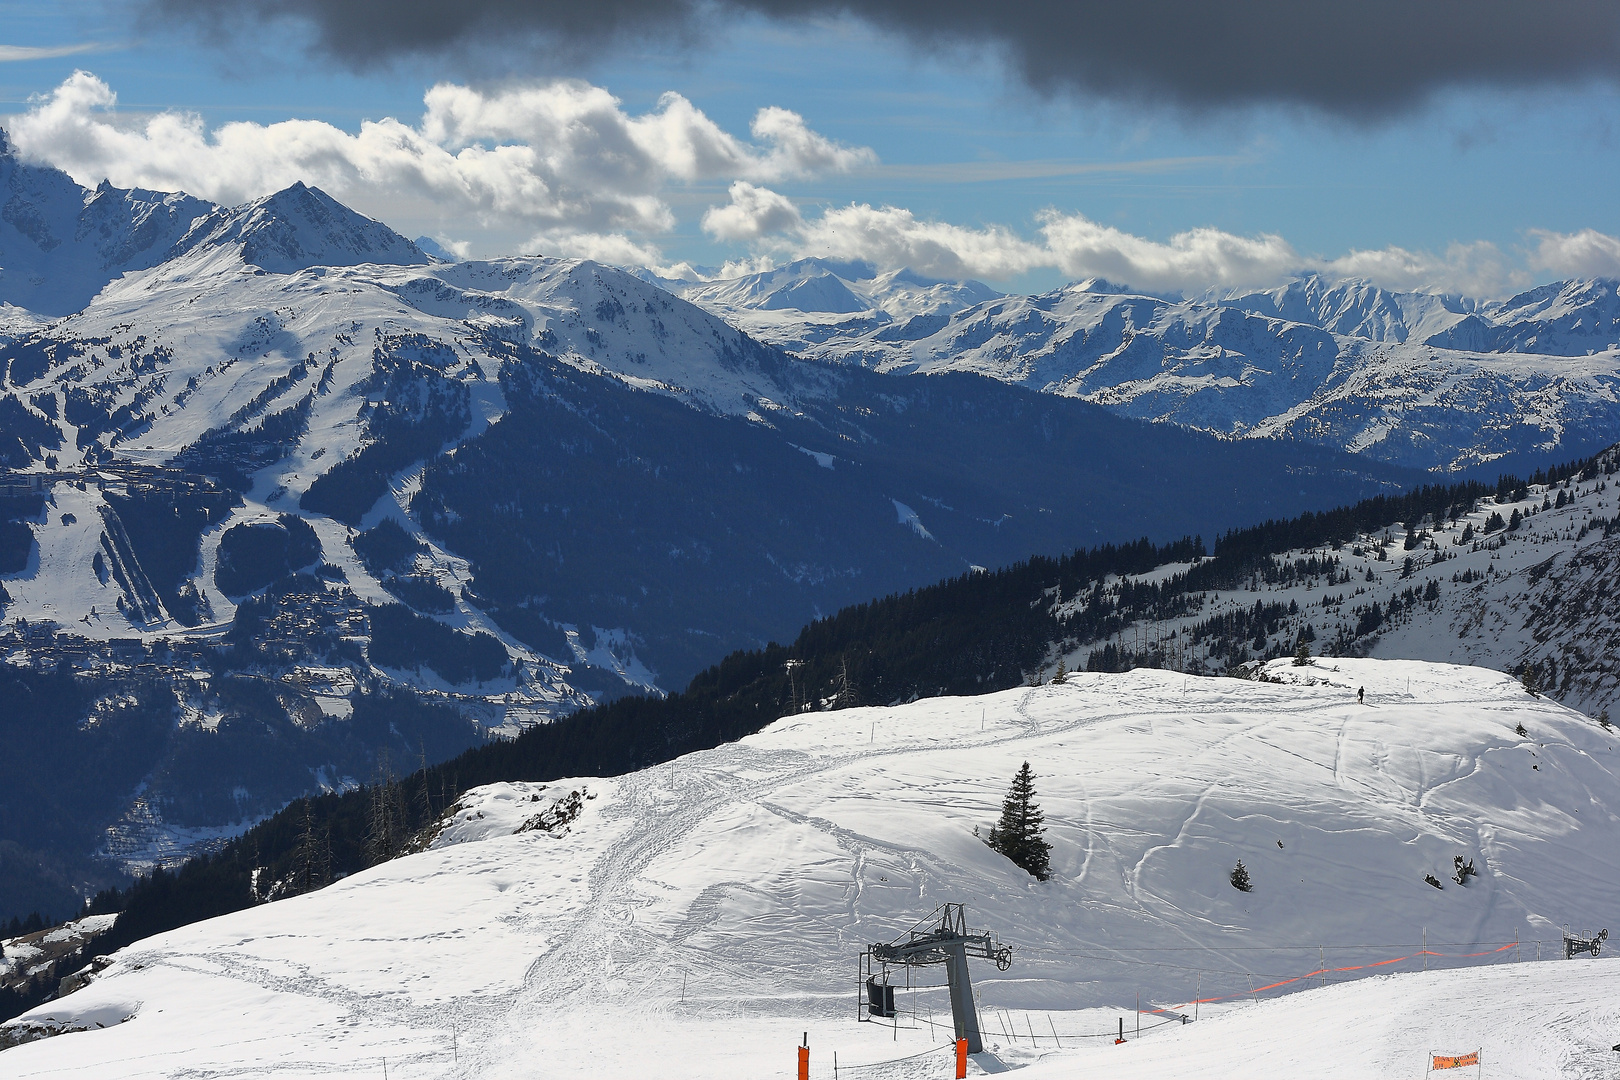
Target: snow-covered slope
[
  {"x": 1507, "y": 583},
  {"x": 701, "y": 915},
  {"x": 1418, "y": 379}
]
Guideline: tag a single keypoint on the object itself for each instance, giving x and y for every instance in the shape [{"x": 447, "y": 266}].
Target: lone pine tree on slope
[{"x": 1018, "y": 835}]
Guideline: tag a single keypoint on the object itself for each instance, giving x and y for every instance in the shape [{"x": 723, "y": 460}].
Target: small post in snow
[{"x": 1121, "y": 1038}]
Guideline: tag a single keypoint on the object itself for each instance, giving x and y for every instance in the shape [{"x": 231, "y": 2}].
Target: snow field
[{"x": 697, "y": 917}]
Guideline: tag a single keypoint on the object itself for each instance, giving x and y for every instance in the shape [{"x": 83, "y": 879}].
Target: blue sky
[{"x": 1482, "y": 189}]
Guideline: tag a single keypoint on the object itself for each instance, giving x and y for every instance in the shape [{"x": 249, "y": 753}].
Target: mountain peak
[
  {"x": 299, "y": 227},
  {"x": 1103, "y": 285}
]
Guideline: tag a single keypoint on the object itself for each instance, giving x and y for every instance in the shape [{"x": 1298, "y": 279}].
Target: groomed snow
[{"x": 696, "y": 918}]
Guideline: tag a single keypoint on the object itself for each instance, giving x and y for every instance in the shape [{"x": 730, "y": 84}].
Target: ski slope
[{"x": 696, "y": 918}]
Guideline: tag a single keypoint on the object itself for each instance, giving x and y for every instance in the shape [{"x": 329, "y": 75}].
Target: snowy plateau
[
  {"x": 699, "y": 918},
  {"x": 1428, "y": 381}
]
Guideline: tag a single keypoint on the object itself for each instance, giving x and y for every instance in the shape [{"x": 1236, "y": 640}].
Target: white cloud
[
  {"x": 891, "y": 236},
  {"x": 798, "y": 151},
  {"x": 1196, "y": 258},
  {"x": 1587, "y": 253},
  {"x": 1187, "y": 262},
  {"x": 752, "y": 214},
  {"x": 559, "y": 160},
  {"x": 45, "y": 52},
  {"x": 615, "y": 249}
]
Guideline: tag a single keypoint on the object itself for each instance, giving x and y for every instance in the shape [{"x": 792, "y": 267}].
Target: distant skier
[{"x": 1361, "y": 695}]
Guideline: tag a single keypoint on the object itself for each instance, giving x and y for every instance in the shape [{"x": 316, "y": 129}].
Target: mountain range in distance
[{"x": 1434, "y": 382}]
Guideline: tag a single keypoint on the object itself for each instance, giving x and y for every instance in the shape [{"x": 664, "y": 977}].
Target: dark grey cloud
[{"x": 1361, "y": 59}]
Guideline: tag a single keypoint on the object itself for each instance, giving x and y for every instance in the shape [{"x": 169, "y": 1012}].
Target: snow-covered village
[{"x": 820, "y": 542}]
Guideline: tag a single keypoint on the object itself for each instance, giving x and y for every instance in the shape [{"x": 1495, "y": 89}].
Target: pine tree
[
  {"x": 1018, "y": 835},
  {"x": 1061, "y": 676},
  {"x": 1302, "y": 655},
  {"x": 847, "y": 697},
  {"x": 385, "y": 827},
  {"x": 1240, "y": 878},
  {"x": 1531, "y": 680},
  {"x": 312, "y": 859}
]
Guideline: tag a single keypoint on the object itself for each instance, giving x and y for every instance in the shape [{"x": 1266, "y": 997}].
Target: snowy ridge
[
  {"x": 187, "y": 358},
  {"x": 709, "y": 910},
  {"x": 1354, "y": 308},
  {"x": 1417, "y": 379}
]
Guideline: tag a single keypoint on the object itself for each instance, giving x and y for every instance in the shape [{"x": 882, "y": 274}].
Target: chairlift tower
[
  {"x": 942, "y": 938},
  {"x": 1584, "y": 942}
]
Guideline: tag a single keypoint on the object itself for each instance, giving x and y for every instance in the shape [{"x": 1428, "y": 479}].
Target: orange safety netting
[{"x": 1354, "y": 967}]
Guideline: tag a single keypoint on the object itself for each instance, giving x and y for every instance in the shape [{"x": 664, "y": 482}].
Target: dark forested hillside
[{"x": 573, "y": 505}]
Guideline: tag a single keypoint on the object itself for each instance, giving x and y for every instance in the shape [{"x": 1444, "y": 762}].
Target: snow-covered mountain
[
  {"x": 61, "y": 244},
  {"x": 291, "y": 230},
  {"x": 700, "y": 917},
  {"x": 1422, "y": 380},
  {"x": 299, "y": 480}
]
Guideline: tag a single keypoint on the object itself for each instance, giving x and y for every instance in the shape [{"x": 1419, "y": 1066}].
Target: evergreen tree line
[{"x": 975, "y": 633}]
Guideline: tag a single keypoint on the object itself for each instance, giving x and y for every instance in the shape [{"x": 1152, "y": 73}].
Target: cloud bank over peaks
[
  {"x": 563, "y": 161},
  {"x": 1188, "y": 262},
  {"x": 562, "y": 168}
]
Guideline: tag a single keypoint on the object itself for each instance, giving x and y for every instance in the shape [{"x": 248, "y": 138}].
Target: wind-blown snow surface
[{"x": 695, "y": 918}]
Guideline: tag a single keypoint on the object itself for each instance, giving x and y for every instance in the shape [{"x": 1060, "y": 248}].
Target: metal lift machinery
[{"x": 941, "y": 938}]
